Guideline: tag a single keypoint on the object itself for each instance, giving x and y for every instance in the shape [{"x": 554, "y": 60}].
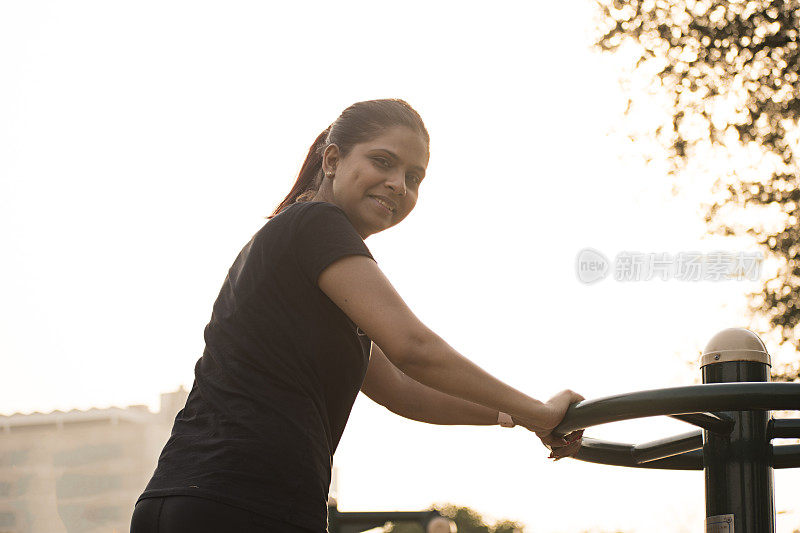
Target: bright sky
[{"x": 141, "y": 145}]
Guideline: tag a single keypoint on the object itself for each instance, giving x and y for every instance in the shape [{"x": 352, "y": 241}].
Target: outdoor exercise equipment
[
  {"x": 431, "y": 521},
  {"x": 734, "y": 446}
]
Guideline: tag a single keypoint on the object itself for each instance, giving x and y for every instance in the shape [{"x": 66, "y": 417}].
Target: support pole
[{"x": 738, "y": 472}]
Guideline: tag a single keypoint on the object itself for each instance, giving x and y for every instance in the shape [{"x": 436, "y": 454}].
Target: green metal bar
[
  {"x": 738, "y": 467},
  {"x": 786, "y": 456},
  {"x": 662, "y": 448},
  {"x": 352, "y": 522},
  {"x": 619, "y": 454},
  {"x": 783, "y": 428},
  {"x": 681, "y": 400},
  {"x": 710, "y": 421},
  {"x": 737, "y": 456}
]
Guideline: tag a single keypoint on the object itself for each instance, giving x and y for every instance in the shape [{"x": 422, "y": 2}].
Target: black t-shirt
[{"x": 278, "y": 377}]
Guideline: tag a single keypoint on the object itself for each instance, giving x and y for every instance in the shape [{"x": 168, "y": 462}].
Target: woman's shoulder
[
  {"x": 304, "y": 217},
  {"x": 312, "y": 213},
  {"x": 316, "y": 205},
  {"x": 298, "y": 209}
]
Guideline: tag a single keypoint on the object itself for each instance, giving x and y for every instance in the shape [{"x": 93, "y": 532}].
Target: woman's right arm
[{"x": 358, "y": 286}]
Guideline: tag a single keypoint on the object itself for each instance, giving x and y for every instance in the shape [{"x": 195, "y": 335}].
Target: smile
[{"x": 385, "y": 205}]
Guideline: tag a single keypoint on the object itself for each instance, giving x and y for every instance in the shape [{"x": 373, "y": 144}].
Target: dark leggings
[{"x": 176, "y": 514}]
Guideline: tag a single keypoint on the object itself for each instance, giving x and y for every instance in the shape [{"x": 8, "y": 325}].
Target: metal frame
[
  {"x": 354, "y": 522},
  {"x": 734, "y": 447},
  {"x": 704, "y": 399},
  {"x": 676, "y": 402}
]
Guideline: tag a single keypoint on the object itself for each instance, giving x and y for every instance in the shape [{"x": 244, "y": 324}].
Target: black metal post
[{"x": 738, "y": 471}]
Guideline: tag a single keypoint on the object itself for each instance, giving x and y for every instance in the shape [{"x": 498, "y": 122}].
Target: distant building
[{"x": 80, "y": 471}]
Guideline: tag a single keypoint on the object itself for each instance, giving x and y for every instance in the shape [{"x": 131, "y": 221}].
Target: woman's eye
[
  {"x": 416, "y": 179},
  {"x": 382, "y": 162}
]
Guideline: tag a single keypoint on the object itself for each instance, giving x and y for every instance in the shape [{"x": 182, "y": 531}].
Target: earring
[{"x": 329, "y": 174}]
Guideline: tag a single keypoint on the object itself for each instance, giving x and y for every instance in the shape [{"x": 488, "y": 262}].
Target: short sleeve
[{"x": 322, "y": 235}]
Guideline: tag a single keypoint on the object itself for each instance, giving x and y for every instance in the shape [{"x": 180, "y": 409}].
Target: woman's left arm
[{"x": 388, "y": 386}]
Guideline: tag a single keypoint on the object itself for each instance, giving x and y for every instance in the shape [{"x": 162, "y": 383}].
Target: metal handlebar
[
  {"x": 682, "y": 452},
  {"x": 680, "y": 400},
  {"x": 734, "y": 447}
]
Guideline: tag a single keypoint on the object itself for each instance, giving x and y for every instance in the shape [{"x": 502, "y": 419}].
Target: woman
[{"x": 304, "y": 320}]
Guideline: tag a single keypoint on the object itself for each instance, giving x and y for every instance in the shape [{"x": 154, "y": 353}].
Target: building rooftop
[{"x": 171, "y": 403}]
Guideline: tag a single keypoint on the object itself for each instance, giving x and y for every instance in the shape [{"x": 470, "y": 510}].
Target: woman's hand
[
  {"x": 561, "y": 447},
  {"x": 556, "y": 408}
]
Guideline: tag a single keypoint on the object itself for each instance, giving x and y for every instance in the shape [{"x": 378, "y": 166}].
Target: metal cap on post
[
  {"x": 738, "y": 473},
  {"x": 735, "y": 344}
]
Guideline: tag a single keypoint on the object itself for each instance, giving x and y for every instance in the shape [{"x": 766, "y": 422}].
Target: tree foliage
[
  {"x": 467, "y": 521},
  {"x": 731, "y": 71}
]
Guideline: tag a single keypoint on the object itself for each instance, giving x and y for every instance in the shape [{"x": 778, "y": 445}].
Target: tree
[
  {"x": 467, "y": 521},
  {"x": 731, "y": 72}
]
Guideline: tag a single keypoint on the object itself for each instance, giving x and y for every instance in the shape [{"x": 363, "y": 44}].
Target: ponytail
[{"x": 305, "y": 186}]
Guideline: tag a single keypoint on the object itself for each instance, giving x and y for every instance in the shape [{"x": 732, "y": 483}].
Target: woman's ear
[{"x": 330, "y": 158}]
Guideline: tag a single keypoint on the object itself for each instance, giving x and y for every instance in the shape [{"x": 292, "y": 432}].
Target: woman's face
[{"x": 377, "y": 182}]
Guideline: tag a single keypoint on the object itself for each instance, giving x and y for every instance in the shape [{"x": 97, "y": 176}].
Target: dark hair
[{"x": 358, "y": 123}]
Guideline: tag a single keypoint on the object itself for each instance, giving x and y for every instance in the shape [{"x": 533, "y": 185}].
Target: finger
[
  {"x": 575, "y": 446},
  {"x": 571, "y": 437},
  {"x": 559, "y": 438},
  {"x": 567, "y": 451},
  {"x": 574, "y": 397},
  {"x": 570, "y": 449},
  {"x": 555, "y": 442}
]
